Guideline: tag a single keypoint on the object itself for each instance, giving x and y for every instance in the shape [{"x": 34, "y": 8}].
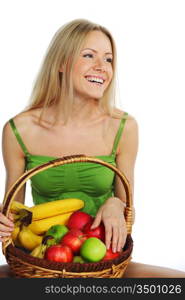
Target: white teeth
[{"x": 99, "y": 80}]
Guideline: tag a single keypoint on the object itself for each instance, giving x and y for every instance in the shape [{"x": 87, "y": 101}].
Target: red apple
[
  {"x": 76, "y": 232},
  {"x": 98, "y": 232},
  {"x": 110, "y": 255},
  {"x": 74, "y": 239},
  {"x": 59, "y": 253},
  {"x": 78, "y": 220}
]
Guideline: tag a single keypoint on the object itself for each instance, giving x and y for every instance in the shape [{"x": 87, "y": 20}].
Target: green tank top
[{"x": 92, "y": 183}]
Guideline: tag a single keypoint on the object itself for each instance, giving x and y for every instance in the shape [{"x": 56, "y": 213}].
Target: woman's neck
[{"x": 83, "y": 112}]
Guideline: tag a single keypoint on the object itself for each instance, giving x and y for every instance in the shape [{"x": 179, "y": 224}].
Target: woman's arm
[
  {"x": 14, "y": 162},
  {"x": 111, "y": 212},
  {"x": 126, "y": 158}
]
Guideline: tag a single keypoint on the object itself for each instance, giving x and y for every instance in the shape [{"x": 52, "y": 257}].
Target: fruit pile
[{"x": 58, "y": 231}]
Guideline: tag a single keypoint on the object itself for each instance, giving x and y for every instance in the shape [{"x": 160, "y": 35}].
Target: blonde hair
[{"x": 52, "y": 86}]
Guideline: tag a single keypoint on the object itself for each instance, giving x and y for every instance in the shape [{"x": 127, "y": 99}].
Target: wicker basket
[{"x": 24, "y": 265}]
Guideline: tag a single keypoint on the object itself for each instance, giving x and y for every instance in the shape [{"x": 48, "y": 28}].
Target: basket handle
[{"x": 10, "y": 195}]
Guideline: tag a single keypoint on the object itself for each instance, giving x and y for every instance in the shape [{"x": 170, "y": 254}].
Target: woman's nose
[{"x": 100, "y": 65}]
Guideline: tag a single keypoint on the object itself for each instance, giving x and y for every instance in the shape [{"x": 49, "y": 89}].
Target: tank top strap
[
  {"x": 18, "y": 137},
  {"x": 119, "y": 132}
]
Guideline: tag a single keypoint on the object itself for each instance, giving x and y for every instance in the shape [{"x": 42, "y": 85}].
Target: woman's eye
[
  {"x": 88, "y": 55},
  {"x": 109, "y": 60}
]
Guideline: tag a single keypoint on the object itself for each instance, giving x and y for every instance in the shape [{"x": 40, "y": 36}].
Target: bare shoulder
[
  {"x": 27, "y": 117},
  {"x": 23, "y": 121},
  {"x": 129, "y": 137},
  {"x": 18, "y": 119},
  {"x": 119, "y": 114},
  {"x": 131, "y": 123}
]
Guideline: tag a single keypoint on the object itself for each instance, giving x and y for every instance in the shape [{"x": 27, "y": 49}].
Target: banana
[
  {"x": 28, "y": 239},
  {"x": 44, "y": 210},
  {"x": 54, "y": 208},
  {"x": 41, "y": 226},
  {"x": 24, "y": 216},
  {"x": 15, "y": 236},
  {"x": 16, "y": 206},
  {"x": 17, "y": 242},
  {"x": 15, "y": 233},
  {"x": 39, "y": 251}
]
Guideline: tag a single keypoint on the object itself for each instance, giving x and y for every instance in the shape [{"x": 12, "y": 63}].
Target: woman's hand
[
  {"x": 6, "y": 225},
  {"x": 111, "y": 214}
]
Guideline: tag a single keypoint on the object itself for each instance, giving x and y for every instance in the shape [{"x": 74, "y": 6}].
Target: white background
[{"x": 150, "y": 40}]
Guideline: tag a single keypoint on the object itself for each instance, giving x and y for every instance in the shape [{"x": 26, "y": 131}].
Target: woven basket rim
[{"x": 71, "y": 267}]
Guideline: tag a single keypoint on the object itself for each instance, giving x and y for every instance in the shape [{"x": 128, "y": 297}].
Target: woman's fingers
[
  {"x": 97, "y": 220},
  {"x": 6, "y": 227},
  {"x": 3, "y": 239},
  {"x": 108, "y": 234},
  {"x": 122, "y": 238},
  {"x": 115, "y": 226},
  {"x": 3, "y": 233},
  {"x": 120, "y": 241},
  {"x": 11, "y": 217},
  {"x": 115, "y": 238},
  {"x": 124, "y": 233},
  {"x": 6, "y": 221},
  {"x": 115, "y": 235}
]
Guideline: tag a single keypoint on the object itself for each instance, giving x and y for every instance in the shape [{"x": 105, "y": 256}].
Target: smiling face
[{"x": 93, "y": 70}]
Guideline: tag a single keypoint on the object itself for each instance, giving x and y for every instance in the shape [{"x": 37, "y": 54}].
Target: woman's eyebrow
[{"x": 95, "y": 50}]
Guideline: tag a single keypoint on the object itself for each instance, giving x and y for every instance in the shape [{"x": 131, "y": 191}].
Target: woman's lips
[{"x": 99, "y": 81}]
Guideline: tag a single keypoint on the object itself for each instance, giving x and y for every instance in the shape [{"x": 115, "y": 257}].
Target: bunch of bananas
[{"x": 31, "y": 223}]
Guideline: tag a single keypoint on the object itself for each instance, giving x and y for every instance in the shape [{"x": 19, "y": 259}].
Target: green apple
[
  {"x": 93, "y": 249},
  {"x": 57, "y": 231},
  {"x": 78, "y": 259},
  {"x": 48, "y": 240}
]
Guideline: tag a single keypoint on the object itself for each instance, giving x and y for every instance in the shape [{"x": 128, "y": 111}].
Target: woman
[{"x": 71, "y": 112}]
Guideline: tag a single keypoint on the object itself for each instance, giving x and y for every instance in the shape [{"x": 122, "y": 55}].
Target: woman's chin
[
  {"x": 96, "y": 96},
  {"x": 89, "y": 94}
]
